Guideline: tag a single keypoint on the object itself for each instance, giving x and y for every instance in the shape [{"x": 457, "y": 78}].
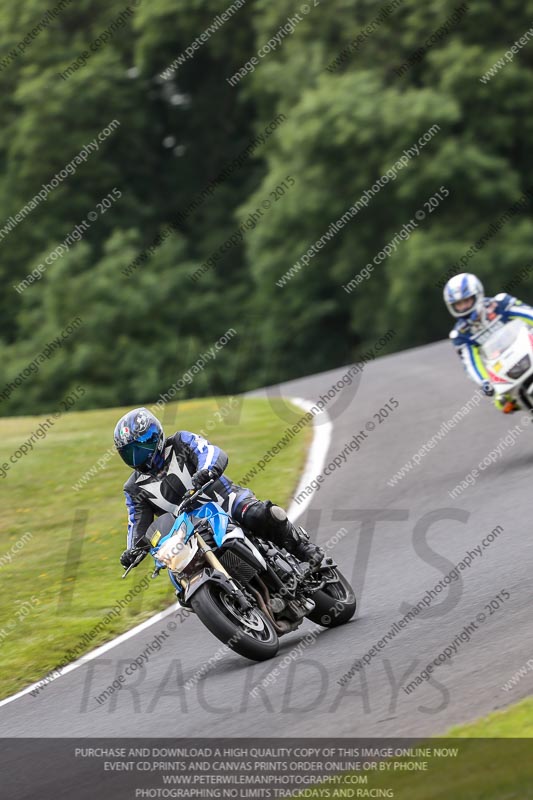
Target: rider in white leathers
[{"x": 478, "y": 317}]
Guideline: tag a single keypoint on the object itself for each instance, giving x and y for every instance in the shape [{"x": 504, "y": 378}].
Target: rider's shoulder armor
[
  {"x": 504, "y": 301},
  {"x": 131, "y": 485}
]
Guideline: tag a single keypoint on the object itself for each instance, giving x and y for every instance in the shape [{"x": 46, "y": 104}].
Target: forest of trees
[{"x": 305, "y": 173}]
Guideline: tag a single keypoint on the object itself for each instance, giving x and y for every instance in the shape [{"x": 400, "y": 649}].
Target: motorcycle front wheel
[{"x": 249, "y": 633}]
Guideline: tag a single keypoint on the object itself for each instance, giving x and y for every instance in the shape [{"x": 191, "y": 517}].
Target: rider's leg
[{"x": 269, "y": 521}]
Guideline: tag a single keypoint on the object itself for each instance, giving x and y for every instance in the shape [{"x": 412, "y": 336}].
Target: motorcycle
[
  {"x": 508, "y": 357},
  {"x": 246, "y": 591}
]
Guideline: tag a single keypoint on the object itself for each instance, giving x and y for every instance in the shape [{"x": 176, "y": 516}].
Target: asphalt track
[{"x": 420, "y": 534}]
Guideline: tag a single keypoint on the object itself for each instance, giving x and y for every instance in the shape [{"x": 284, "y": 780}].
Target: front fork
[{"x": 218, "y": 567}]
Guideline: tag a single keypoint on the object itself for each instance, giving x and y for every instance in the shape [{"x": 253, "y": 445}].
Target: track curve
[{"x": 420, "y": 533}]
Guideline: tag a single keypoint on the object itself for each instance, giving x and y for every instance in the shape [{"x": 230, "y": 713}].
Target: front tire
[
  {"x": 335, "y": 604},
  {"x": 248, "y": 633}
]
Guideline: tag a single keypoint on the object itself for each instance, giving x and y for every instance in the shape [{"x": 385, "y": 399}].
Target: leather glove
[
  {"x": 128, "y": 556},
  {"x": 487, "y": 388},
  {"x": 203, "y": 476}
]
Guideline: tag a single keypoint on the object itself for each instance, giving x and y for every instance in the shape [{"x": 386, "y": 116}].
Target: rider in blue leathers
[
  {"x": 478, "y": 317},
  {"x": 166, "y": 468}
]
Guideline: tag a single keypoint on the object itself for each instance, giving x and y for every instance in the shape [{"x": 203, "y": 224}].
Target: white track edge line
[
  {"x": 92, "y": 655},
  {"x": 315, "y": 458}
]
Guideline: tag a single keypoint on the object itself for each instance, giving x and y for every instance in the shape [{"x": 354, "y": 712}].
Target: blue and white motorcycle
[{"x": 246, "y": 591}]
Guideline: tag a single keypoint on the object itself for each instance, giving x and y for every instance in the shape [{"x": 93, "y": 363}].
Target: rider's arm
[
  {"x": 469, "y": 355},
  {"x": 204, "y": 455},
  {"x": 140, "y": 516},
  {"x": 516, "y": 309}
]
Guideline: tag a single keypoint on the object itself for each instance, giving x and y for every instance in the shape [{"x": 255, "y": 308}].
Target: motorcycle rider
[
  {"x": 166, "y": 468},
  {"x": 478, "y": 317}
]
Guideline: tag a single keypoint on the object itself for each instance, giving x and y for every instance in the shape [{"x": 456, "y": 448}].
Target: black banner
[{"x": 131, "y": 769}]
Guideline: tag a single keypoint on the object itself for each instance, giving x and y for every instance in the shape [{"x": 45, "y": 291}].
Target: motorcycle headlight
[
  {"x": 174, "y": 551},
  {"x": 522, "y": 366}
]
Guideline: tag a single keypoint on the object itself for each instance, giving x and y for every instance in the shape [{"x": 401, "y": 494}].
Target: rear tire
[
  {"x": 335, "y": 604},
  {"x": 249, "y": 633}
]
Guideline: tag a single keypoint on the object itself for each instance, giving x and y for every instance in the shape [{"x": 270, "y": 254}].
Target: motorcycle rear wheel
[{"x": 335, "y": 604}]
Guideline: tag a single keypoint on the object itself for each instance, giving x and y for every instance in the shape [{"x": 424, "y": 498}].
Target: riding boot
[{"x": 295, "y": 540}]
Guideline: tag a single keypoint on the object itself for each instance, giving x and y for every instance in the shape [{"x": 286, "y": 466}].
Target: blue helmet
[
  {"x": 139, "y": 440},
  {"x": 463, "y": 287}
]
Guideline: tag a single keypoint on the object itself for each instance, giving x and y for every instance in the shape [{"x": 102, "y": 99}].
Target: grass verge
[{"x": 494, "y": 761}]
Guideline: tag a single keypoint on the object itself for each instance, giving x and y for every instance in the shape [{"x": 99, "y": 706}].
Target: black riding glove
[
  {"x": 128, "y": 556},
  {"x": 203, "y": 476}
]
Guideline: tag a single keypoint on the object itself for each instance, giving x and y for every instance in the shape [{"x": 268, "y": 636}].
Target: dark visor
[{"x": 135, "y": 454}]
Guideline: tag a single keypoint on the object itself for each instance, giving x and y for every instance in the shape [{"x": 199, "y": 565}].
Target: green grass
[
  {"x": 38, "y": 498},
  {"x": 516, "y": 721},
  {"x": 483, "y": 769},
  {"x": 495, "y": 762}
]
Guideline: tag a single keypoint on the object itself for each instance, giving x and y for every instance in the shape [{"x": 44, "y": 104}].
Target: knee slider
[
  {"x": 278, "y": 513},
  {"x": 266, "y": 519}
]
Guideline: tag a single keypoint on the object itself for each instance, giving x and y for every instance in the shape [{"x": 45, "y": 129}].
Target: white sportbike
[{"x": 508, "y": 357}]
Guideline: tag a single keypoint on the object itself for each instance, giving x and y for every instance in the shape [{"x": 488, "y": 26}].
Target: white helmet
[{"x": 462, "y": 287}]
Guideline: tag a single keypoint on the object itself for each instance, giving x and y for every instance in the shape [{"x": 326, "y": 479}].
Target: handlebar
[{"x": 193, "y": 495}]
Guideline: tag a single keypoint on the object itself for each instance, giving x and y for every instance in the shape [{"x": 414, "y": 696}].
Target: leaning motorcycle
[
  {"x": 508, "y": 357},
  {"x": 246, "y": 591}
]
